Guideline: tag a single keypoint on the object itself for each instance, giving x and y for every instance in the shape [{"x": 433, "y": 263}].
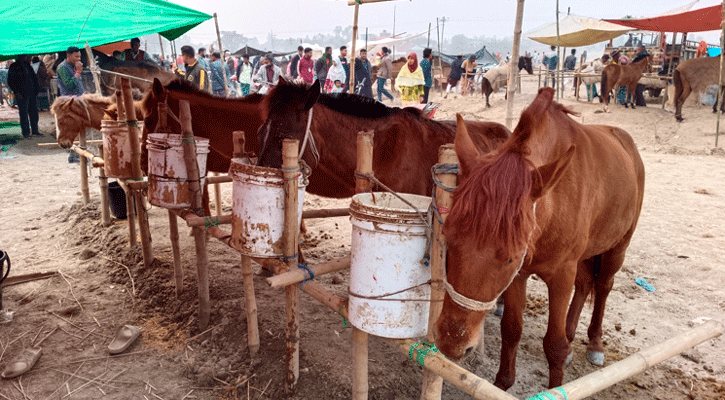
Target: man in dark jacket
[
  {"x": 323, "y": 65},
  {"x": 639, "y": 92},
  {"x": 294, "y": 61},
  {"x": 455, "y": 75},
  {"x": 195, "y": 72},
  {"x": 24, "y": 83},
  {"x": 363, "y": 86}
]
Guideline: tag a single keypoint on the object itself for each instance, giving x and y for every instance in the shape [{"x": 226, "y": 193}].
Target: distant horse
[
  {"x": 495, "y": 78},
  {"x": 405, "y": 145},
  {"x": 558, "y": 199},
  {"x": 694, "y": 74},
  {"x": 74, "y": 115},
  {"x": 615, "y": 75}
]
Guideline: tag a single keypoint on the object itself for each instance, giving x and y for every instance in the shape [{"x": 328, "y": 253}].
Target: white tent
[
  {"x": 376, "y": 46},
  {"x": 576, "y": 31}
]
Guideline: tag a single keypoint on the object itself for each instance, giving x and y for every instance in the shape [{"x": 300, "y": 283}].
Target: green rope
[
  {"x": 549, "y": 396},
  {"x": 209, "y": 222},
  {"x": 130, "y": 123},
  {"x": 422, "y": 348},
  {"x": 344, "y": 320}
]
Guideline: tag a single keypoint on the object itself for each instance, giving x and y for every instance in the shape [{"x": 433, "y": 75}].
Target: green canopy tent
[{"x": 40, "y": 27}]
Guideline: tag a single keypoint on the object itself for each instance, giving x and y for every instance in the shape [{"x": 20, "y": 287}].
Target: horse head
[
  {"x": 525, "y": 63},
  {"x": 74, "y": 115},
  {"x": 149, "y": 107},
  {"x": 286, "y": 110},
  {"x": 490, "y": 226}
]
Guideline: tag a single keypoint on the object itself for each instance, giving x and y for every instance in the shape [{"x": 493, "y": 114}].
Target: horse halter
[
  {"x": 475, "y": 305},
  {"x": 308, "y": 135}
]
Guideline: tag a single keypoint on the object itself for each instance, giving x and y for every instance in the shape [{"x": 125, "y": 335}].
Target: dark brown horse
[
  {"x": 212, "y": 117},
  {"x": 695, "y": 73},
  {"x": 495, "y": 78},
  {"x": 558, "y": 199},
  {"x": 405, "y": 143},
  {"x": 615, "y": 75}
]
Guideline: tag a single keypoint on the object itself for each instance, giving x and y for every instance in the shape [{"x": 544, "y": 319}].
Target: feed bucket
[
  {"x": 389, "y": 282},
  {"x": 117, "y": 201},
  {"x": 117, "y": 154},
  {"x": 168, "y": 178},
  {"x": 258, "y": 209}
]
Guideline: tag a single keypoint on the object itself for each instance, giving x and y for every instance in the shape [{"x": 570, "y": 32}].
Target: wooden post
[
  {"x": 291, "y": 170},
  {"x": 719, "y": 83},
  {"x": 121, "y": 109},
  {"x": 251, "y": 304},
  {"x": 440, "y": 62},
  {"x": 351, "y": 89},
  {"x": 637, "y": 362},
  {"x": 224, "y": 61},
  {"x": 513, "y": 71},
  {"x": 84, "y": 169},
  {"x": 176, "y": 252},
  {"x": 143, "y": 222},
  {"x": 359, "y": 337},
  {"x": 161, "y": 46},
  {"x": 103, "y": 183},
  {"x": 218, "y": 197},
  {"x": 192, "y": 173},
  {"x": 432, "y": 383},
  {"x": 94, "y": 70}
]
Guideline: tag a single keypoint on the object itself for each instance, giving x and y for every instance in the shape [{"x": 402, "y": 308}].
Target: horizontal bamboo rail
[
  {"x": 298, "y": 275},
  {"x": 227, "y": 219},
  {"x": 97, "y": 161},
  {"x": 54, "y": 144}
]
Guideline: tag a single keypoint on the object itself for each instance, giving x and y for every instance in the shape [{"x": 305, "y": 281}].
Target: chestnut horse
[
  {"x": 74, "y": 115},
  {"x": 495, "y": 78},
  {"x": 212, "y": 117},
  {"x": 405, "y": 144},
  {"x": 558, "y": 199},
  {"x": 615, "y": 75},
  {"x": 694, "y": 74}
]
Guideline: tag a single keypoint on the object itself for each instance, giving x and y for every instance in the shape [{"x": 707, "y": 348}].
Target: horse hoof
[
  {"x": 499, "y": 310},
  {"x": 678, "y": 118},
  {"x": 569, "y": 358},
  {"x": 596, "y": 358}
]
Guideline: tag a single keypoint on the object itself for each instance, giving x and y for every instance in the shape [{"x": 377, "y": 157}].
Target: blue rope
[
  {"x": 290, "y": 257},
  {"x": 444, "y": 168},
  {"x": 309, "y": 272},
  {"x": 549, "y": 396}
]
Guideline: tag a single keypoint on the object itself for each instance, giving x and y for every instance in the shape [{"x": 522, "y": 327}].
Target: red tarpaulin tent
[{"x": 704, "y": 19}]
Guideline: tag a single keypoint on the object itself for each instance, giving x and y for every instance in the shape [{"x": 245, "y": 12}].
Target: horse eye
[{"x": 511, "y": 260}]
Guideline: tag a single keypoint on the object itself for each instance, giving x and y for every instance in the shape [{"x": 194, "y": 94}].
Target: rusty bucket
[{"x": 117, "y": 152}]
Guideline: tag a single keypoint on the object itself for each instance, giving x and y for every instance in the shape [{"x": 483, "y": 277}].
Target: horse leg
[
  {"x": 582, "y": 287},
  {"x": 556, "y": 344},
  {"x": 631, "y": 94},
  {"x": 682, "y": 91},
  {"x": 511, "y": 325}
]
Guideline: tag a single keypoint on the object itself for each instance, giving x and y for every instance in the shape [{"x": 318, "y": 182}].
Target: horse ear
[
  {"x": 312, "y": 94},
  {"x": 110, "y": 113},
  {"x": 547, "y": 176},
  {"x": 465, "y": 149},
  {"x": 157, "y": 88}
]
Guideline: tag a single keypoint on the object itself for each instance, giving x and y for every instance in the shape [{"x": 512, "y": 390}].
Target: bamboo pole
[
  {"x": 176, "y": 252},
  {"x": 103, "y": 184},
  {"x": 637, "y": 362},
  {"x": 161, "y": 46},
  {"x": 558, "y": 52},
  {"x": 291, "y": 170},
  {"x": 719, "y": 84},
  {"x": 477, "y": 387},
  {"x": 351, "y": 89},
  {"x": 440, "y": 63},
  {"x": 218, "y": 179},
  {"x": 84, "y": 170},
  {"x": 432, "y": 383},
  {"x": 141, "y": 212},
  {"x": 513, "y": 71},
  {"x": 227, "y": 218},
  {"x": 92, "y": 67},
  {"x": 192, "y": 173},
  {"x": 359, "y": 337},
  {"x": 297, "y": 275},
  {"x": 221, "y": 53},
  {"x": 251, "y": 305},
  {"x": 55, "y": 144},
  {"x": 95, "y": 160},
  {"x": 218, "y": 197}
]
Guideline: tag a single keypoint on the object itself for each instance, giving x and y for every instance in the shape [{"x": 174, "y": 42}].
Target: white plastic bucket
[
  {"x": 258, "y": 209},
  {"x": 168, "y": 178},
  {"x": 389, "y": 283}
]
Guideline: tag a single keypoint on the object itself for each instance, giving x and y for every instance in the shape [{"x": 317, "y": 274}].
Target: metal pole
[
  {"x": 221, "y": 53},
  {"x": 428, "y": 45},
  {"x": 513, "y": 66}
]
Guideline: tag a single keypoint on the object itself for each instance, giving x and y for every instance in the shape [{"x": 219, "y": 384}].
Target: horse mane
[
  {"x": 345, "y": 103},
  {"x": 181, "y": 85},
  {"x": 81, "y": 104}
]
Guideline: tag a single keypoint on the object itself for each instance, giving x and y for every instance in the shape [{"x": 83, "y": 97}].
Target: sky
[{"x": 299, "y": 18}]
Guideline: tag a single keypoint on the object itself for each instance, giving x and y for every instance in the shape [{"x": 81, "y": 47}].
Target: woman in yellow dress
[{"x": 410, "y": 81}]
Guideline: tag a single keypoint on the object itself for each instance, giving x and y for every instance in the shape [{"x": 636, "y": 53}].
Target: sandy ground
[{"x": 678, "y": 248}]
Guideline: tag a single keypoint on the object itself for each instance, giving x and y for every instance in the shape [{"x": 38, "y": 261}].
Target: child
[{"x": 338, "y": 87}]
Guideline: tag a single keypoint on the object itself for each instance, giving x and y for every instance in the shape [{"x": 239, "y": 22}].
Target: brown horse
[
  {"x": 615, "y": 75},
  {"x": 74, "y": 115},
  {"x": 694, "y": 74},
  {"x": 405, "y": 144},
  {"x": 495, "y": 78},
  {"x": 212, "y": 117},
  {"x": 558, "y": 199}
]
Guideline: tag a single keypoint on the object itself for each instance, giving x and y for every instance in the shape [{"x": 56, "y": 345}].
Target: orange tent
[
  {"x": 108, "y": 49},
  {"x": 704, "y": 19}
]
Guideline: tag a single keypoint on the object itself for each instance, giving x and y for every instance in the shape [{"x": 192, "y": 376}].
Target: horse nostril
[{"x": 468, "y": 352}]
